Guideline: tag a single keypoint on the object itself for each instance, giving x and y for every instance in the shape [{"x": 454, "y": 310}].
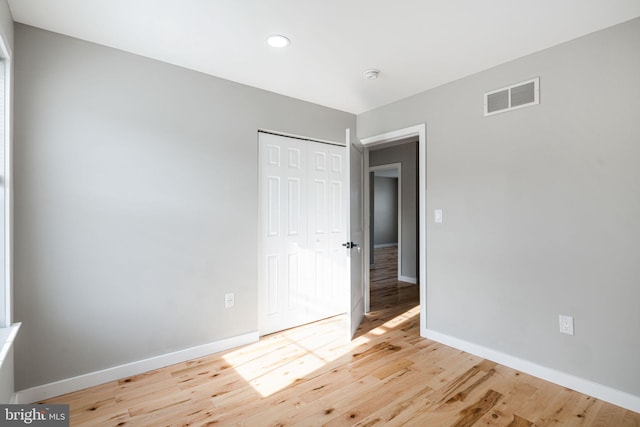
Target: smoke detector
[{"x": 371, "y": 74}]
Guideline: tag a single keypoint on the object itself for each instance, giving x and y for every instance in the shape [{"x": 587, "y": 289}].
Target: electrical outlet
[
  {"x": 566, "y": 325},
  {"x": 229, "y": 300}
]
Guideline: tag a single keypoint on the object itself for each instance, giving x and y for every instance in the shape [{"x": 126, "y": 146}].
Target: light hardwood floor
[{"x": 312, "y": 376}]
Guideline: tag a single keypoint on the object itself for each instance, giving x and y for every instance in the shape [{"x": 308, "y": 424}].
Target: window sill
[{"x": 7, "y": 335}]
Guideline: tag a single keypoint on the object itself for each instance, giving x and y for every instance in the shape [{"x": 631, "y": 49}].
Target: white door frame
[
  {"x": 386, "y": 138},
  {"x": 367, "y": 214}
]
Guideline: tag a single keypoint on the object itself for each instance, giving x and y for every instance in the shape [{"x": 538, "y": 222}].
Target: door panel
[
  {"x": 328, "y": 229},
  {"x": 355, "y": 201}
]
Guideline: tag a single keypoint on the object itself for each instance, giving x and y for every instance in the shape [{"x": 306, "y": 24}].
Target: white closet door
[
  {"x": 302, "y": 226},
  {"x": 327, "y": 230}
]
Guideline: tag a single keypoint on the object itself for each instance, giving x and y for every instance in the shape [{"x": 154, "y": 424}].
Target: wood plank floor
[{"x": 312, "y": 376}]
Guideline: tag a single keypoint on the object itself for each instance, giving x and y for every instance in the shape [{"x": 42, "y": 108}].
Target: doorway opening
[
  {"x": 393, "y": 226},
  {"x": 411, "y": 253},
  {"x": 385, "y": 210}
]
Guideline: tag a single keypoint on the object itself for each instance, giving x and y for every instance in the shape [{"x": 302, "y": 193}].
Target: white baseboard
[
  {"x": 91, "y": 379},
  {"x": 7, "y": 337},
  {"x": 599, "y": 391},
  {"x": 407, "y": 279},
  {"x": 385, "y": 245}
]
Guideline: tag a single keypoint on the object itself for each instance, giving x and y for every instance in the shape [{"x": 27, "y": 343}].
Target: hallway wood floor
[{"x": 313, "y": 376}]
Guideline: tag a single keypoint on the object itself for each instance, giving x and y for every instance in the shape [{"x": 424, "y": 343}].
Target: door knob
[{"x": 350, "y": 245}]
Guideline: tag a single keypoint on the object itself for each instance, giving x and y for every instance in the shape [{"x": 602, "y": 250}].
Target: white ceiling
[{"x": 417, "y": 44}]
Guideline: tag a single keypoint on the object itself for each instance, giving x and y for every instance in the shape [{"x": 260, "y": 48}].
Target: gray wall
[
  {"x": 541, "y": 207},
  {"x": 407, "y": 155},
  {"x": 385, "y": 206},
  {"x": 136, "y": 201}
]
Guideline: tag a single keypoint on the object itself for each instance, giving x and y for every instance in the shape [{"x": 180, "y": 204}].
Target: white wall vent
[{"x": 523, "y": 94}]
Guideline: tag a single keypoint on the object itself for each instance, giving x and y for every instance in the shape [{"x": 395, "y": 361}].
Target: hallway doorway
[
  {"x": 393, "y": 222},
  {"x": 412, "y": 268}
]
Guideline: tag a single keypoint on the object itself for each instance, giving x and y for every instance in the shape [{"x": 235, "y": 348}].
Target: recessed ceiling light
[
  {"x": 371, "y": 74},
  {"x": 277, "y": 40}
]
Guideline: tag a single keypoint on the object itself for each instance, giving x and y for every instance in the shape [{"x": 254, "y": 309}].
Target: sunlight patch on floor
[
  {"x": 382, "y": 329},
  {"x": 278, "y": 360}
]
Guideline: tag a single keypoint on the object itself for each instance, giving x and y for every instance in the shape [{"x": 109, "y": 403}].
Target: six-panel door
[{"x": 302, "y": 269}]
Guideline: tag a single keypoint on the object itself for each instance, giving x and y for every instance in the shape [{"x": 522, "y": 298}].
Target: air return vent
[{"x": 523, "y": 94}]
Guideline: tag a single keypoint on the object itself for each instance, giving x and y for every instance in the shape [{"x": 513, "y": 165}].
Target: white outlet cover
[{"x": 566, "y": 324}]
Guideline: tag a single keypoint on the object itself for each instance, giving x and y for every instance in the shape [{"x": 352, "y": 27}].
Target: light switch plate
[
  {"x": 437, "y": 216},
  {"x": 229, "y": 300}
]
